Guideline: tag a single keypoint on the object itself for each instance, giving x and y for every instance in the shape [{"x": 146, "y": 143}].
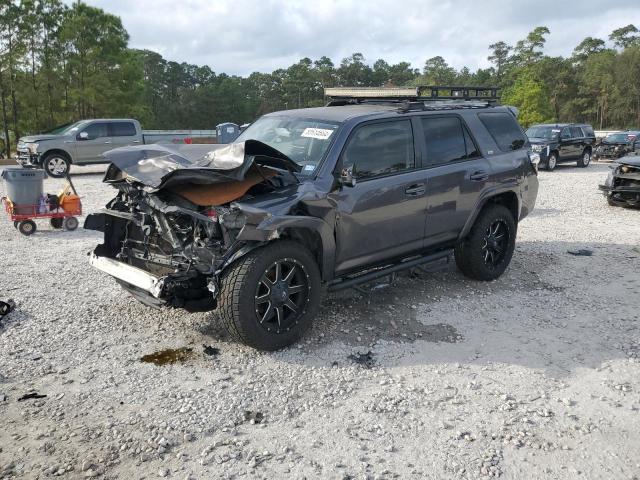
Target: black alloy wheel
[
  {"x": 496, "y": 242},
  {"x": 282, "y": 295}
]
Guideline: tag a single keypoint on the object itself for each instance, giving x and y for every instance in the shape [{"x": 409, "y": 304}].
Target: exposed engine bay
[
  {"x": 622, "y": 186},
  {"x": 175, "y": 222}
]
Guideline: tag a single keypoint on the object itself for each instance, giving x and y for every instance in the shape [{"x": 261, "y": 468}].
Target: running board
[{"x": 431, "y": 262}]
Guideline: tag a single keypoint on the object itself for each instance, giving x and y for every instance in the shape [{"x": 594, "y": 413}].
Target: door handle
[
  {"x": 107, "y": 142},
  {"x": 479, "y": 176},
  {"x": 415, "y": 190},
  {"x": 136, "y": 141}
]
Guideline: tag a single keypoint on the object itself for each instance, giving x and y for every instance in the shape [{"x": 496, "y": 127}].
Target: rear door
[
  {"x": 91, "y": 142},
  {"x": 123, "y": 133},
  {"x": 579, "y": 140},
  {"x": 567, "y": 147},
  {"x": 457, "y": 173},
  {"x": 382, "y": 216}
]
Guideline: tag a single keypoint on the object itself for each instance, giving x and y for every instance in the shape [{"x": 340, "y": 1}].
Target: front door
[
  {"x": 382, "y": 216},
  {"x": 92, "y": 142}
]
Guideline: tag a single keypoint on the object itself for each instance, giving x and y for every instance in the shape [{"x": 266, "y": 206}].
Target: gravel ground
[{"x": 534, "y": 375}]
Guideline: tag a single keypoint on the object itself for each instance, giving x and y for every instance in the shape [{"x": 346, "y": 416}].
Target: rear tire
[
  {"x": 486, "y": 252},
  {"x": 269, "y": 307},
  {"x": 552, "y": 162},
  {"x": 585, "y": 159},
  {"x": 27, "y": 227}
]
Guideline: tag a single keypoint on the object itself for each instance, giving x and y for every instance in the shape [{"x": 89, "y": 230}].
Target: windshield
[
  {"x": 66, "y": 128},
  {"x": 617, "y": 138},
  {"x": 546, "y": 132},
  {"x": 303, "y": 140}
]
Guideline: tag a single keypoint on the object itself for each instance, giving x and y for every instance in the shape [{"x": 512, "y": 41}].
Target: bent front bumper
[{"x": 128, "y": 274}]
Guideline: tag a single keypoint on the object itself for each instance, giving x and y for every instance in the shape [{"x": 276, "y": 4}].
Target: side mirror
[
  {"x": 347, "y": 179},
  {"x": 83, "y": 136}
]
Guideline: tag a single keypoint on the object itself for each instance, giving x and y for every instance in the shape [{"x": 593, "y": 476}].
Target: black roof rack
[{"x": 423, "y": 97}]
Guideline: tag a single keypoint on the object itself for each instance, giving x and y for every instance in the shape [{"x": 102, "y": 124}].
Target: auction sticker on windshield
[{"x": 319, "y": 133}]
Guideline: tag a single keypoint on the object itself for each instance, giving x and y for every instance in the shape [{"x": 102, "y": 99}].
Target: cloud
[{"x": 244, "y": 36}]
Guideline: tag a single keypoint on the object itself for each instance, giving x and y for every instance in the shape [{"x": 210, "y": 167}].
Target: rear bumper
[{"x": 128, "y": 274}]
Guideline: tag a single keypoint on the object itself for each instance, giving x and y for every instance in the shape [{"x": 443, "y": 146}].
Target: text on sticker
[{"x": 319, "y": 133}]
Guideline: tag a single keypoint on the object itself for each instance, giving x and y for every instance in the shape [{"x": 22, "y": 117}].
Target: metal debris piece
[
  {"x": 209, "y": 350},
  {"x": 364, "y": 359},
  {"x": 6, "y": 307},
  {"x": 253, "y": 417},
  {"x": 581, "y": 252},
  {"x": 31, "y": 396}
]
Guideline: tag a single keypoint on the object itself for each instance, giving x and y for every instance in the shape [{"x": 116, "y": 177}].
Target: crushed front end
[
  {"x": 173, "y": 225},
  {"x": 622, "y": 186}
]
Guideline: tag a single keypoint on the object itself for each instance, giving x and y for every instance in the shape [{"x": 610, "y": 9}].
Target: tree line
[{"x": 61, "y": 63}]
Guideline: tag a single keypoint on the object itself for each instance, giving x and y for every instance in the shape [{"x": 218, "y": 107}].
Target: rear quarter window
[
  {"x": 588, "y": 131},
  {"x": 122, "y": 129},
  {"x": 504, "y": 129}
]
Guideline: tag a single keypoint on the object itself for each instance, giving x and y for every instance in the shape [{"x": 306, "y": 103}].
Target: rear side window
[
  {"x": 576, "y": 132},
  {"x": 97, "y": 130},
  {"x": 504, "y": 129},
  {"x": 447, "y": 140},
  {"x": 122, "y": 129},
  {"x": 588, "y": 131},
  {"x": 380, "y": 149}
]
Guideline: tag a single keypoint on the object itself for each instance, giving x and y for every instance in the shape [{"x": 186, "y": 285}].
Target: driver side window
[
  {"x": 96, "y": 130},
  {"x": 380, "y": 149}
]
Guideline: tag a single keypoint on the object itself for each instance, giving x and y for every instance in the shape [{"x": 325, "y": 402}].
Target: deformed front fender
[{"x": 261, "y": 226}]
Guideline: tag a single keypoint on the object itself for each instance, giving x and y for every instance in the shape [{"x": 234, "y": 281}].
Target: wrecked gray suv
[{"x": 317, "y": 199}]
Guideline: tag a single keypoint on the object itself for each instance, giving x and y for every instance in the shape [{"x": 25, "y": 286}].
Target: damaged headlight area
[
  {"x": 622, "y": 185},
  {"x": 165, "y": 251},
  {"x": 175, "y": 225}
]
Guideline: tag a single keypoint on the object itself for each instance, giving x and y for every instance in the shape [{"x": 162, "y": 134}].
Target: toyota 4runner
[{"x": 317, "y": 199}]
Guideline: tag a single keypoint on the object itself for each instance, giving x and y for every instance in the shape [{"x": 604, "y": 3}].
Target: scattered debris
[
  {"x": 582, "y": 252},
  {"x": 253, "y": 417},
  {"x": 364, "y": 359},
  {"x": 30, "y": 396},
  {"x": 6, "y": 307},
  {"x": 209, "y": 350},
  {"x": 168, "y": 356}
]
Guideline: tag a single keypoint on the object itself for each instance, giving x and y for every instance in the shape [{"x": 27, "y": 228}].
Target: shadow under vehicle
[{"x": 309, "y": 200}]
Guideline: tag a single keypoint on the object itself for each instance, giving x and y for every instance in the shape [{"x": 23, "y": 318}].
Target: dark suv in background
[
  {"x": 309, "y": 200},
  {"x": 561, "y": 143}
]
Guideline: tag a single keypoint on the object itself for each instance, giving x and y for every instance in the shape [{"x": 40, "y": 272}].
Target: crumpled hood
[
  {"x": 633, "y": 160},
  {"x": 159, "y": 166},
  {"x": 38, "y": 138}
]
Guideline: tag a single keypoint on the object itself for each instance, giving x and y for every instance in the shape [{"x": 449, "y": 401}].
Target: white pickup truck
[{"x": 84, "y": 142}]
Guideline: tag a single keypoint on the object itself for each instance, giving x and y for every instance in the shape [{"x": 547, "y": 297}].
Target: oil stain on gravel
[{"x": 168, "y": 356}]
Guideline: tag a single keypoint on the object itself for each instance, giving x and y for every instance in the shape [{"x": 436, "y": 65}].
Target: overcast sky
[{"x": 242, "y": 36}]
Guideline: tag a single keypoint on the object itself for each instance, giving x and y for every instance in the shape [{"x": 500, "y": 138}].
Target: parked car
[
  {"x": 84, "y": 142},
  {"x": 316, "y": 199},
  {"x": 561, "y": 143},
  {"x": 622, "y": 186},
  {"x": 617, "y": 145}
]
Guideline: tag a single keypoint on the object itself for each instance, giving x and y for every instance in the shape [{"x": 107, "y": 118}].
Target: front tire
[
  {"x": 27, "y": 227},
  {"x": 585, "y": 159},
  {"x": 552, "y": 162},
  {"x": 486, "y": 252},
  {"x": 269, "y": 297},
  {"x": 56, "y": 165}
]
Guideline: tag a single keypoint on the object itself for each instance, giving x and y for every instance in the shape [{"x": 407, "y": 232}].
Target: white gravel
[{"x": 535, "y": 375}]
